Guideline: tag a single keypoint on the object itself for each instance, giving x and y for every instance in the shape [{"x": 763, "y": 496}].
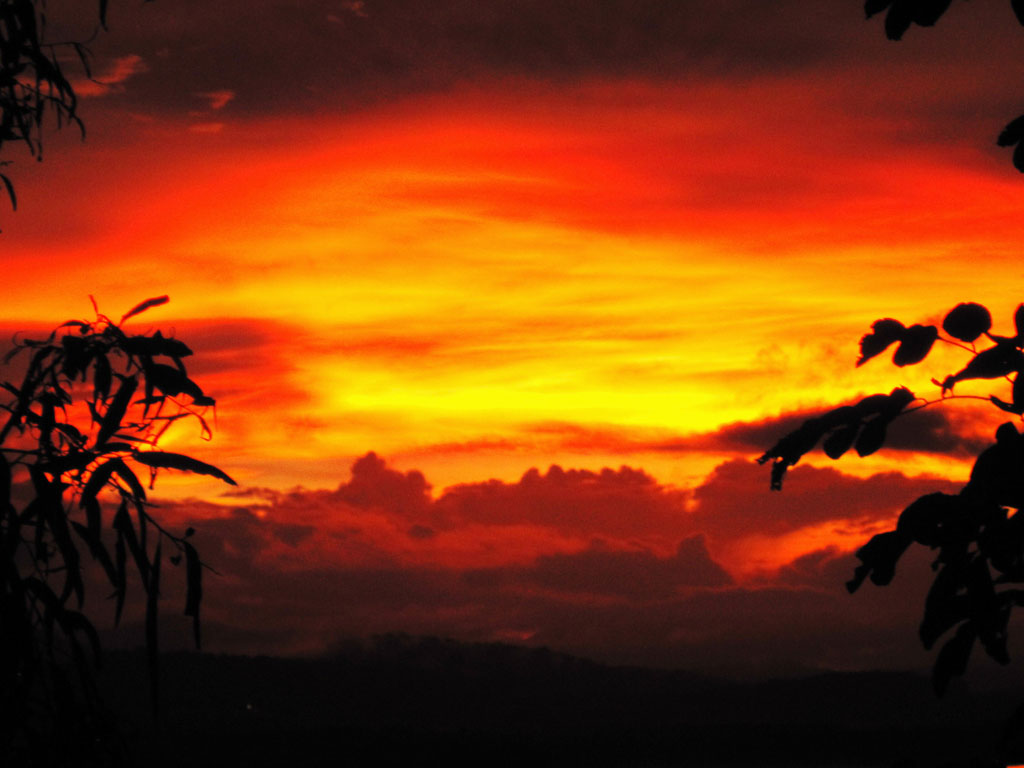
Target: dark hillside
[{"x": 400, "y": 701}]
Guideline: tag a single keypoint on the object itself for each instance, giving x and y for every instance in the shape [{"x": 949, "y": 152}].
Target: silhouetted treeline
[{"x": 398, "y": 700}]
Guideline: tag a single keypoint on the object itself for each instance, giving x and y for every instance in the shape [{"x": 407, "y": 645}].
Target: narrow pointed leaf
[
  {"x": 123, "y": 525},
  {"x": 152, "y": 634},
  {"x": 10, "y": 191},
  {"x": 1005, "y": 406},
  {"x": 194, "y": 589},
  {"x": 115, "y": 413},
  {"x": 143, "y": 306},
  {"x": 164, "y": 460},
  {"x": 121, "y": 582}
]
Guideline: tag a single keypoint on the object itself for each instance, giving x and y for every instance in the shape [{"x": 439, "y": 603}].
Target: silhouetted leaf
[
  {"x": 1018, "y": 157},
  {"x": 125, "y": 473},
  {"x": 163, "y": 460},
  {"x": 871, "y": 437},
  {"x": 77, "y": 622},
  {"x": 952, "y": 659},
  {"x": 143, "y": 306},
  {"x": 987, "y": 614},
  {"x": 95, "y": 483},
  {"x": 71, "y": 431},
  {"x": 194, "y": 589},
  {"x": 121, "y": 582},
  {"x": 946, "y": 605},
  {"x": 126, "y": 531},
  {"x": 97, "y": 550},
  {"x": 898, "y": 20},
  {"x": 787, "y": 451},
  {"x": 5, "y": 485},
  {"x": 1018, "y": 9},
  {"x": 118, "y": 406},
  {"x": 992, "y": 363},
  {"x": 152, "y": 635},
  {"x": 1012, "y": 133},
  {"x": 883, "y": 333},
  {"x": 923, "y": 519},
  {"x": 171, "y": 381},
  {"x": 154, "y": 345},
  {"x": 1005, "y": 406},
  {"x": 871, "y": 7},
  {"x": 878, "y": 559},
  {"x": 967, "y": 322},
  {"x": 840, "y": 441},
  {"x": 927, "y": 12},
  {"x": 10, "y": 191},
  {"x": 1018, "y": 392},
  {"x": 917, "y": 343}
]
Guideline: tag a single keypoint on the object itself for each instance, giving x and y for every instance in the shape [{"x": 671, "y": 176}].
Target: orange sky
[{"x": 521, "y": 265}]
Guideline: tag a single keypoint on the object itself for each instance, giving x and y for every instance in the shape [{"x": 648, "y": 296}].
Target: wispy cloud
[{"x": 111, "y": 78}]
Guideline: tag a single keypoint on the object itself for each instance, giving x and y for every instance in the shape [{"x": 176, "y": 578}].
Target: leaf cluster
[
  {"x": 81, "y": 426},
  {"x": 978, "y": 534}
]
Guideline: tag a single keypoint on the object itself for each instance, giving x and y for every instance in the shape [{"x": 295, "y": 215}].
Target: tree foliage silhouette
[
  {"x": 32, "y": 79},
  {"x": 978, "y": 534},
  {"x": 83, "y": 423},
  {"x": 900, "y": 15}
]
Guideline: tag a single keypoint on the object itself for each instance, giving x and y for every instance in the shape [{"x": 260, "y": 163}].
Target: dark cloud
[
  {"x": 600, "y": 571},
  {"x": 930, "y": 430},
  {"x": 733, "y": 502},
  {"x": 375, "y": 485},
  {"x": 943, "y": 430},
  {"x": 322, "y": 53}
]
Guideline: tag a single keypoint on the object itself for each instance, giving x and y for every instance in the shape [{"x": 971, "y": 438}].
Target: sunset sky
[{"x": 501, "y": 300}]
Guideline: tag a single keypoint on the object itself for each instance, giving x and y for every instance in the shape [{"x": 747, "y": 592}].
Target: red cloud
[
  {"x": 486, "y": 561},
  {"x": 734, "y": 501}
]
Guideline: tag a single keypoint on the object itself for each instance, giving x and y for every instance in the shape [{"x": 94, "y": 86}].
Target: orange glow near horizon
[{"x": 452, "y": 281}]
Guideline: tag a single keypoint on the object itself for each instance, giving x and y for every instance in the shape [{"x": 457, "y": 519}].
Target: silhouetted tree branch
[
  {"x": 32, "y": 79},
  {"x": 977, "y": 534},
  {"x": 82, "y": 424}
]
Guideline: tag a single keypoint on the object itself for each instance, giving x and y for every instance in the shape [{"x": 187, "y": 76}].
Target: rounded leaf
[
  {"x": 883, "y": 333},
  {"x": 872, "y": 437},
  {"x": 967, "y": 322},
  {"x": 1018, "y": 157},
  {"x": 1012, "y": 133},
  {"x": 840, "y": 440},
  {"x": 917, "y": 343}
]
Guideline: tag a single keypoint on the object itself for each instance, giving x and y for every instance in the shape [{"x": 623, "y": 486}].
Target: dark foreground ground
[{"x": 404, "y": 702}]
